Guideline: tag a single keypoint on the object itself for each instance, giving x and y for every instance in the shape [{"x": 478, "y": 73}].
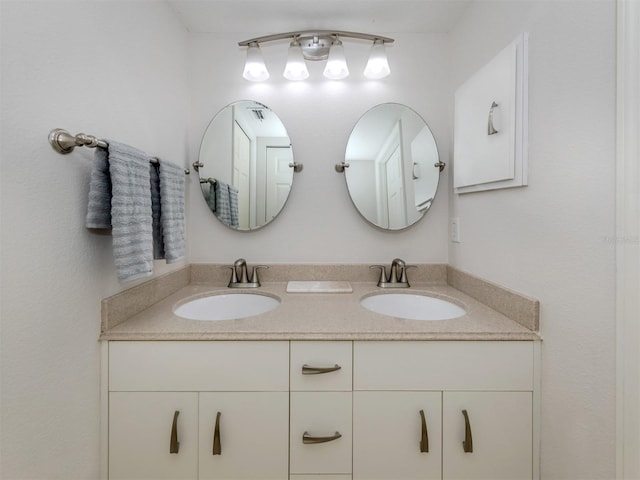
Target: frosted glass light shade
[
  {"x": 254, "y": 68},
  {"x": 336, "y": 68},
  {"x": 378, "y": 65},
  {"x": 296, "y": 68}
]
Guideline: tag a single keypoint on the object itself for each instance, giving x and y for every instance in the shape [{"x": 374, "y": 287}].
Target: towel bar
[{"x": 63, "y": 142}]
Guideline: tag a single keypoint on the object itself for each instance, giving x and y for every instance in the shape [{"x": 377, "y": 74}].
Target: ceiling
[{"x": 262, "y": 17}]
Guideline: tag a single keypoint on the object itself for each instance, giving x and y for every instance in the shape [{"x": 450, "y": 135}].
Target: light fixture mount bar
[
  {"x": 315, "y": 43},
  {"x": 315, "y": 33}
]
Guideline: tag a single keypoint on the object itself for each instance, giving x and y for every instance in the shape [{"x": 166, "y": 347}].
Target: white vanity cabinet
[
  {"x": 501, "y": 431},
  {"x": 330, "y": 410},
  {"x": 140, "y": 426},
  {"x": 476, "y": 399},
  {"x": 392, "y": 439},
  {"x": 198, "y": 410},
  {"x": 321, "y": 409}
]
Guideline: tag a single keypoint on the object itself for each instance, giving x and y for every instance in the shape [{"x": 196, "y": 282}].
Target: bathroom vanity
[{"x": 320, "y": 385}]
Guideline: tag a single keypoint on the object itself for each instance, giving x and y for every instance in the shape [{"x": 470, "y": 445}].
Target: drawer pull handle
[
  {"x": 217, "y": 447},
  {"x": 309, "y": 370},
  {"x": 308, "y": 439},
  {"x": 424, "y": 438},
  {"x": 174, "y": 445},
  {"x": 467, "y": 444}
]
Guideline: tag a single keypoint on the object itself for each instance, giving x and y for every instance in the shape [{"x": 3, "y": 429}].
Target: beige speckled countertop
[{"x": 318, "y": 316}]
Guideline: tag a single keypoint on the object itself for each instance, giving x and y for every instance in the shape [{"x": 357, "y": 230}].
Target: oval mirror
[
  {"x": 393, "y": 166},
  {"x": 246, "y": 165}
]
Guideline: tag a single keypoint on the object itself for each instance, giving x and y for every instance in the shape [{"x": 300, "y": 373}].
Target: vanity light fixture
[
  {"x": 316, "y": 45},
  {"x": 336, "y": 67},
  {"x": 254, "y": 68},
  {"x": 296, "y": 68},
  {"x": 378, "y": 65}
]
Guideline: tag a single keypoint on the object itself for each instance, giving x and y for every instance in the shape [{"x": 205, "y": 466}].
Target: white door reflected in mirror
[
  {"x": 246, "y": 170},
  {"x": 392, "y": 176}
]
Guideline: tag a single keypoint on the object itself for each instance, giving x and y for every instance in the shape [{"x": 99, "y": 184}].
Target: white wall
[
  {"x": 319, "y": 223},
  {"x": 116, "y": 70},
  {"x": 553, "y": 240}
]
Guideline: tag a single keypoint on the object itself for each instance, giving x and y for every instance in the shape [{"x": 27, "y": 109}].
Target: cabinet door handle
[
  {"x": 217, "y": 447},
  {"x": 424, "y": 438},
  {"x": 174, "y": 444},
  {"x": 467, "y": 444},
  {"x": 490, "y": 128},
  {"x": 306, "y": 438},
  {"x": 309, "y": 370}
]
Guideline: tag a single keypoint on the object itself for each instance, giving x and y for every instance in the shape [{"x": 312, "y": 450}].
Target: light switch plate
[{"x": 455, "y": 230}]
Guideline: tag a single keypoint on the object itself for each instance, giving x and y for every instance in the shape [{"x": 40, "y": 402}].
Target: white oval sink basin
[
  {"x": 412, "y": 307},
  {"x": 231, "y": 306}
]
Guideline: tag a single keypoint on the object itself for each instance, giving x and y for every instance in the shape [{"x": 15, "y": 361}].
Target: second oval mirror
[
  {"x": 393, "y": 166},
  {"x": 246, "y": 165}
]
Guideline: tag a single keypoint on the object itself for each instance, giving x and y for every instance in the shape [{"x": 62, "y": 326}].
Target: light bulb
[
  {"x": 336, "y": 68},
  {"x": 254, "y": 68},
  {"x": 378, "y": 65},
  {"x": 296, "y": 68}
]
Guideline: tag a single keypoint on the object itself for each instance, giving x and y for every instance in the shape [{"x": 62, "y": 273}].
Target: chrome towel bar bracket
[{"x": 63, "y": 142}]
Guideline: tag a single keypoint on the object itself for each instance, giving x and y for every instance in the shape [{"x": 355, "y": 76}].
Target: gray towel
[
  {"x": 233, "y": 203},
  {"x": 172, "y": 210},
  {"x": 131, "y": 216},
  {"x": 211, "y": 195},
  {"x": 156, "y": 212},
  {"x": 227, "y": 204},
  {"x": 206, "y": 193},
  {"x": 99, "y": 205}
]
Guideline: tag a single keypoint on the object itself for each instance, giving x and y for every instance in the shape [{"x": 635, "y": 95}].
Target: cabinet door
[
  {"x": 388, "y": 435},
  {"x": 499, "y": 427},
  {"x": 140, "y": 435},
  {"x": 252, "y": 434}
]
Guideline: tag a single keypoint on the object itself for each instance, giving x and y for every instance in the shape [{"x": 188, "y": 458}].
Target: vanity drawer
[
  {"x": 314, "y": 366},
  {"x": 490, "y": 365},
  {"x": 198, "y": 366},
  {"x": 320, "y": 414}
]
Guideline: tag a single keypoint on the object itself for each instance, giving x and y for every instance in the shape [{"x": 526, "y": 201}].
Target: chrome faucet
[
  {"x": 240, "y": 275},
  {"x": 397, "y": 277}
]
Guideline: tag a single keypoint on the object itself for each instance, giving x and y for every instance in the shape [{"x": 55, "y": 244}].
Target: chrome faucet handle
[
  {"x": 383, "y": 274},
  {"x": 403, "y": 273},
  {"x": 234, "y": 276},
  {"x": 254, "y": 275}
]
